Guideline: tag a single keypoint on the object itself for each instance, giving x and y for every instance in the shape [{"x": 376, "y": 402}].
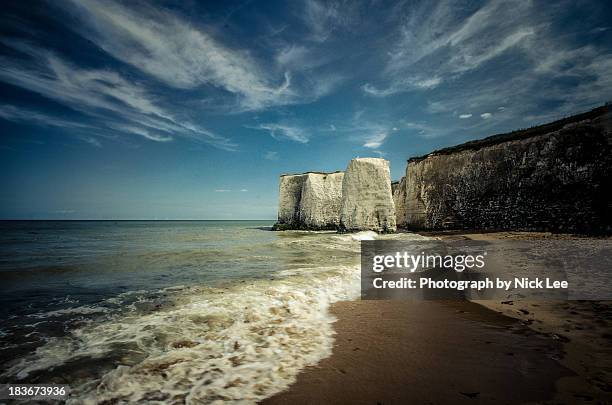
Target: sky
[{"x": 192, "y": 110}]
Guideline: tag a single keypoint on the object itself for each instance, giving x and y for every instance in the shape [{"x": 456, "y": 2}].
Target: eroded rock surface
[
  {"x": 399, "y": 199},
  {"x": 555, "y": 177},
  {"x": 290, "y": 196},
  {"x": 321, "y": 200},
  {"x": 310, "y": 201},
  {"x": 367, "y": 201}
]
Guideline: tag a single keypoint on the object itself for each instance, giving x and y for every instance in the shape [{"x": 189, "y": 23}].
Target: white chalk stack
[
  {"x": 355, "y": 200},
  {"x": 310, "y": 201},
  {"x": 367, "y": 201},
  {"x": 321, "y": 200},
  {"x": 290, "y": 195}
]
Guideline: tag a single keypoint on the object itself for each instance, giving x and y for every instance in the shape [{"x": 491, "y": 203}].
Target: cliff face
[
  {"x": 290, "y": 196},
  {"x": 399, "y": 199},
  {"x": 321, "y": 200},
  {"x": 310, "y": 201},
  {"x": 554, "y": 178},
  {"x": 367, "y": 202}
]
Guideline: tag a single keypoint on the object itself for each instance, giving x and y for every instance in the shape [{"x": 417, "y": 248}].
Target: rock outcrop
[
  {"x": 289, "y": 198},
  {"x": 549, "y": 178},
  {"x": 321, "y": 200},
  {"x": 367, "y": 201},
  {"x": 399, "y": 200},
  {"x": 309, "y": 201},
  {"x": 554, "y": 177}
]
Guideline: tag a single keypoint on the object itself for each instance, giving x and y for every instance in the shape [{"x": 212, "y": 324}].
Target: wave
[{"x": 239, "y": 344}]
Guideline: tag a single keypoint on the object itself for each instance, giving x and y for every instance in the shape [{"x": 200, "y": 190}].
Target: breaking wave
[{"x": 238, "y": 343}]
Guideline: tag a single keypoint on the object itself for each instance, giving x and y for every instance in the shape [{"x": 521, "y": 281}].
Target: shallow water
[{"x": 196, "y": 311}]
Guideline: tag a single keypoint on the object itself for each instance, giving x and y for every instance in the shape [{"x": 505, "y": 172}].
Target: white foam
[
  {"x": 365, "y": 235},
  {"x": 240, "y": 344},
  {"x": 82, "y": 310}
]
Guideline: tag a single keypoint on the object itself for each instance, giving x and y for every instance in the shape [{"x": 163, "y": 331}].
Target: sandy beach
[{"x": 439, "y": 352}]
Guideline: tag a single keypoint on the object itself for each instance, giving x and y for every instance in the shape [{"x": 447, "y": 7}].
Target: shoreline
[{"x": 463, "y": 351}]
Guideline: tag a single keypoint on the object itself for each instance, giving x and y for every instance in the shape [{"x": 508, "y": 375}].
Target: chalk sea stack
[
  {"x": 321, "y": 200},
  {"x": 309, "y": 201},
  {"x": 367, "y": 201},
  {"x": 290, "y": 195},
  {"x": 355, "y": 200}
]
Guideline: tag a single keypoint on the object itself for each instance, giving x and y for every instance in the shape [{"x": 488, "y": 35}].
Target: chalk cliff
[
  {"x": 555, "y": 177},
  {"x": 309, "y": 201},
  {"x": 399, "y": 200},
  {"x": 367, "y": 202},
  {"x": 321, "y": 200},
  {"x": 290, "y": 196}
]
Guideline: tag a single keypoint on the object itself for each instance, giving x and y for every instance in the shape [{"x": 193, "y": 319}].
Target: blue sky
[{"x": 191, "y": 110}]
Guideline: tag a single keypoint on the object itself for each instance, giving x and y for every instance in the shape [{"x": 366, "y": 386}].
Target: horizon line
[{"x": 117, "y": 220}]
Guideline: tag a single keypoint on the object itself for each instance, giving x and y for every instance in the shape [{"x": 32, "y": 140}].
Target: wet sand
[
  {"x": 585, "y": 329},
  {"x": 429, "y": 352},
  {"x": 436, "y": 352}
]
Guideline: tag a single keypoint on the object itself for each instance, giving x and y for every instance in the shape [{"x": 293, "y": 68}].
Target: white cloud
[
  {"x": 435, "y": 39},
  {"x": 486, "y": 115},
  {"x": 400, "y": 85},
  {"x": 144, "y": 132},
  {"x": 294, "y": 55},
  {"x": 465, "y": 116},
  {"x": 279, "y": 131},
  {"x": 271, "y": 155},
  {"x": 182, "y": 55},
  {"x": 90, "y": 140},
  {"x": 20, "y": 114},
  {"x": 376, "y": 140},
  {"x": 114, "y": 102},
  {"x": 222, "y": 190},
  {"x": 323, "y": 19},
  {"x": 425, "y": 130},
  {"x": 64, "y": 212},
  {"x": 243, "y": 190},
  {"x": 547, "y": 66}
]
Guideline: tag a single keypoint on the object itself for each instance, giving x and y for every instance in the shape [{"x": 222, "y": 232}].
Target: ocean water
[{"x": 168, "y": 311}]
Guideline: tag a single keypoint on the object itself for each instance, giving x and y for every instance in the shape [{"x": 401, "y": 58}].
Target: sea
[{"x": 169, "y": 311}]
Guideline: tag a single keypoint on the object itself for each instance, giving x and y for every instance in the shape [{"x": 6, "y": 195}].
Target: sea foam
[{"x": 240, "y": 343}]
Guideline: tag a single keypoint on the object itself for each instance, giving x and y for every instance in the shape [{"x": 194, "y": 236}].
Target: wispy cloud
[
  {"x": 323, "y": 18},
  {"x": 280, "y": 131},
  {"x": 180, "y": 54},
  {"x": 435, "y": 38},
  {"x": 114, "y": 102},
  {"x": 271, "y": 155},
  {"x": 523, "y": 56},
  {"x": 227, "y": 190},
  {"x": 465, "y": 116},
  {"x": 364, "y": 129},
  {"x": 376, "y": 140},
  {"x": 26, "y": 115},
  {"x": 402, "y": 85}
]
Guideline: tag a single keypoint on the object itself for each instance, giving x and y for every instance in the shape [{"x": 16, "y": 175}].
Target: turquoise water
[{"x": 201, "y": 311}]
